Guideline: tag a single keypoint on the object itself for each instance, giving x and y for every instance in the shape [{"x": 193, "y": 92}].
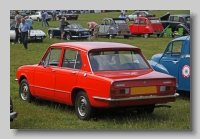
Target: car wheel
[
  {"x": 38, "y": 19},
  {"x": 83, "y": 108},
  {"x": 68, "y": 36},
  {"x": 127, "y": 19},
  {"x": 24, "y": 92},
  {"x": 51, "y": 35},
  {"x": 146, "y": 35}
]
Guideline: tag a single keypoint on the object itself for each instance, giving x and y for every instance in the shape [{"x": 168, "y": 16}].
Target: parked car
[
  {"x": 38, "y": 16},
  {"x": 146, "y": 26},
  {"x": 176, "y": 21},
  {"x": 175, "y": 61},
  {"x": 13, "y": 114},
  {"x": 95, "y": 75},
  {"x": 12, "y": 14},
  {"x": 72, "y": 31},
  {"x": 112, "y": 27},
  {"x": 136, "y": 14},
  {"x": 35, "y": 35},
  {"x": 67, "y": 15}
]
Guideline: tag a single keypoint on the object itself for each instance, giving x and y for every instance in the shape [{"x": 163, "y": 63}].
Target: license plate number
[{"x": 143, "y": 90}]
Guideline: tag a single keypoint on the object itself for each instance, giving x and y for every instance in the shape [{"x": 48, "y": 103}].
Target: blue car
[{"x": 175, "y": 61}]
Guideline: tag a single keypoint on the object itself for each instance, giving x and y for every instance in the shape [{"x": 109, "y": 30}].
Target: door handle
[
  {"x": 53, "y": 70},
  {"x": 73, "y": 72},
  {"x": 175, "y": 61}
]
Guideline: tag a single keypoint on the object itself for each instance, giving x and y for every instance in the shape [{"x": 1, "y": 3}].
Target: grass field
[{"x": 41, "y": 114}]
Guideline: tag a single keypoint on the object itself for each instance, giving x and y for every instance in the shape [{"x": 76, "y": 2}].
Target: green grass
[{"x": 41, "y": 114}]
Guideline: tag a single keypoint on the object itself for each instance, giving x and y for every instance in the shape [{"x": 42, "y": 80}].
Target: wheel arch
[{"x": 74, "y": 93}]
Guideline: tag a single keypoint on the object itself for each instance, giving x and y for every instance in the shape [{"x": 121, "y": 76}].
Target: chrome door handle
[
  {"x": 175, "y": 62},
  {"x": 53, "y": 70},
  {"x": 73, "y": 72}
]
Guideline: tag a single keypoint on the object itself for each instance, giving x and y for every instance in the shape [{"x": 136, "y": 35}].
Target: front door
[
  {"x": 171, "y": 59},
  {"x": 44, "y": 77}
]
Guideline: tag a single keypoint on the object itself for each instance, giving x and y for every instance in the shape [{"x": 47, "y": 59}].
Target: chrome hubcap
[
  {"x": 24, "y": 91},
  {"x": 82, "y": 103}
]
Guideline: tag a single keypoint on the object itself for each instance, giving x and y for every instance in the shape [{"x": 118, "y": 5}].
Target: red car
[
  {"x": 146, "y": 26},
  {"x": 91, "y": 75}
]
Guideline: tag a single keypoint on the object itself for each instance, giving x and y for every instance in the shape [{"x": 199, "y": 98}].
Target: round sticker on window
[{"x": 186, "y": 71}]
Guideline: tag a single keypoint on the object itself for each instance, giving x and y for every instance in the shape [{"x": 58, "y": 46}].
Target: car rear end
[
  {"x": 156, "y": 25},
  {"x": 121, "y": 26}
]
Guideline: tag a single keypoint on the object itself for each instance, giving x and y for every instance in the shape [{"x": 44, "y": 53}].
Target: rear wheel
[
  {"x": 146, "y": 35},
  {"x": 38, "y": 19},
  {"x": 83, "y": 108}
]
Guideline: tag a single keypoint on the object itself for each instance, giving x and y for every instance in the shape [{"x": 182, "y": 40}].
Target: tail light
[
  {"x": 121, "y": 91},
  {"x": 167, "y": 88}
]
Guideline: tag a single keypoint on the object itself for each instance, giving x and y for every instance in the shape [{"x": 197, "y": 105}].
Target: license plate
[
  {"x": 123, "y": 32},
  {"x": 39, "y": 38},
  {"x": 143, "y": 90}
]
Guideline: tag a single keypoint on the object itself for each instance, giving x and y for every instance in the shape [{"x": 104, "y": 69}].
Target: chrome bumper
[
  {"x": 13, "y": 115},
  {"x": 136, "y": 98}
]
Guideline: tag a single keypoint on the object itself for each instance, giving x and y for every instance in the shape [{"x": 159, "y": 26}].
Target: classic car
[
  {"x": 96, "y": 75},
  {"x": 136, "y": 14},
  {"x": 111, "y": 27},
  {"x": 67, "y": 15},
  {"x": 72, "y": 31},
  {"x": 176, "y": 21},
  {"x": 38, "y": 16},
  {"x": 13, "y": 114},
  {"x": 35, "y": 35},
  {"x": 175, "y": 61},
  {"x": 146, "y": 26}
]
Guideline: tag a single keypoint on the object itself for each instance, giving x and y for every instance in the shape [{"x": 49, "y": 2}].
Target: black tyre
[
  {"x": 146, "y": 35},
  {"x": 68, "y": 36},
  {"x": 24, "y": 92},
  {"x": 83, "y": 108},
  {"x": 38, "y": 19},
  {"x": 51, "y": 35}
]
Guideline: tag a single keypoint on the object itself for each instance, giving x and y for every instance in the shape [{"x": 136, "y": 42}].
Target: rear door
[{"x": 66, "y": 75}]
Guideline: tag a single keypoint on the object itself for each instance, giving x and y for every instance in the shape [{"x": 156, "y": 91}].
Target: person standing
[
  {"x": 24, "y": 29},
  {"x": 46, "y": 18},
  {"x": 122, "y": 16},
  {"x": 62, "y": 26},
  {"x": 54, "y": 15},
  {"x": 95, "y": 27},
  {"x": 17, "y": 22},
  {"x": 29, "y": 21},
  {"x": 43, "y": 19}
]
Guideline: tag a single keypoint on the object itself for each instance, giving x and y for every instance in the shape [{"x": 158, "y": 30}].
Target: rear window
[{"x": 117, "y": 60}]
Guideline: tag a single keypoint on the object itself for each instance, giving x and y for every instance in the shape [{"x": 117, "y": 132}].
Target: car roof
[
  {"x": 87, "y": 46},
  {"x": 182, "y": 38},
  {"x": 180, "y": 15}
]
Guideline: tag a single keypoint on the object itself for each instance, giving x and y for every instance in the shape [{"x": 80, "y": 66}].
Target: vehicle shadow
[{"x": 119, "y": 115}]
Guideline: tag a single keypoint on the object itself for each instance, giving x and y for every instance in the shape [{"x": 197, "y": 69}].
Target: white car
[
  {"x": 38, "y": 16},
  {"x": 135, "y": 14},
  {"x": 35, "y": 35}
]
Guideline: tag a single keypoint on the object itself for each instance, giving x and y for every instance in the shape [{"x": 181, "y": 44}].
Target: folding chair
[
  {"x": 168, "y": 32},
  {"x": 180, "y": 32}
]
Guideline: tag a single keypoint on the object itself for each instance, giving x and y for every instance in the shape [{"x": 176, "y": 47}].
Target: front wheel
[
  {"x": 68, "y": 36},
  {"x": 83, "y": 108},
  {"x": 24, "y": 92}
]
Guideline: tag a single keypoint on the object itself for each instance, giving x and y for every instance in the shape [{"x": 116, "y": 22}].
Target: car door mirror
[{"x": 44, "y": 64}]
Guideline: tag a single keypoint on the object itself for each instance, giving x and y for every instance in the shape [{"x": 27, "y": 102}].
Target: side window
[
  {"x": 136, "y": 21},
  {"x": 52, "y": 59},
  {"x": 174, "y": 49},
  {"x": 142, "y": 22},
  {"x": 72, "y": 59}
]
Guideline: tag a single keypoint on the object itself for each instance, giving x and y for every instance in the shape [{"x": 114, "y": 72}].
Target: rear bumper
[{"x": 136, "y": 98}]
